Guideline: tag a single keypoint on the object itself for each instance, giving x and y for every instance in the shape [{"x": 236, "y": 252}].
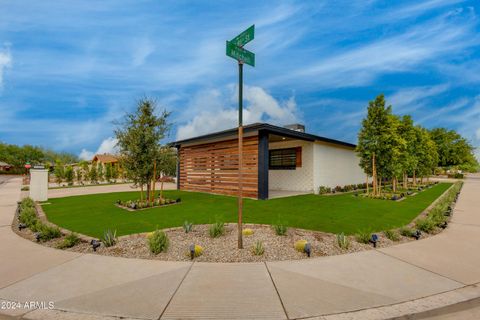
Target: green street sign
[
  {"x": 240, "y": 54},
  {"x": 244, "y": 37}
]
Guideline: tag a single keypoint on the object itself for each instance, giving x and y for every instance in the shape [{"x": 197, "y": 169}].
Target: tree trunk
[
  {"x": 414, "y": 179},
  {"x": 154, "y": 180},
  {"x": 149, "y": 187},
  {"x": 421, "y": 180},
  {"x": 405, "y": 180},
  {"x": 394, "y": 184},
  {"x": 374, "y": 176},
  {"x": 367, "y": 183}
]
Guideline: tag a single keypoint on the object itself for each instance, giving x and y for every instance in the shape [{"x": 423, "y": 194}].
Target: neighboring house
[
  {"x": 5, "y": 166},
  {"x": 274, "y": 158},
  {"x": 105, "y": 159}
]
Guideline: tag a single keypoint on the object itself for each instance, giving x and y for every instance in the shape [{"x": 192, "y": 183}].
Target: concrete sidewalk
[{"x": 395, "y": 281}]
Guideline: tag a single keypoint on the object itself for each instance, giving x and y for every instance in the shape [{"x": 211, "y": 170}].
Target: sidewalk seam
[
  {"x": 425, "y": 269},
  {"x": 276, "y": 290},
  {"x": 175, "y": 292}
]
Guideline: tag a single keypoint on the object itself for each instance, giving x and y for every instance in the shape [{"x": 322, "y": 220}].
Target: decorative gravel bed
[{"x": 224, "y": 248}]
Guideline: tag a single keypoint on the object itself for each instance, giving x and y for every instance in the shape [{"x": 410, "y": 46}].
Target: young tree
[
  {"x": 59, "y": 172},
  {"x": 92, "y": 174},
  {"x": 100, "y": 173},
  {"x": 139, "y": 139},
  {"x": 375, "y": 140},
  {"x": 69, "y": 175},
  {"x": 408, "y": 161},
  {"x": 108, "y": 172},
  {"x": 114, "y": 173},
  {"x": 79, "y": 175},
  {"x": 453, "y": 149}
]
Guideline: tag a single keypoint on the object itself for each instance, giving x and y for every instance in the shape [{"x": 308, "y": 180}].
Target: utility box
[{"x": 39, "y": 184}]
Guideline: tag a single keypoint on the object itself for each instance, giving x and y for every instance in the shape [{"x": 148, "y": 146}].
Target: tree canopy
[{"x": 139, "y": 137}]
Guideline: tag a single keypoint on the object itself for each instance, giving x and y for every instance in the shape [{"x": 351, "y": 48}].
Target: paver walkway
[{"x": 403, "y": 279}]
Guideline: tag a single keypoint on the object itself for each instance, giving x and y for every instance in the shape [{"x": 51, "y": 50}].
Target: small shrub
[
  {"x": 69, "y": 241},
  {"x": 28, "y": 216},
  {"x": 27, "y": 203},
  {"x": 342, "y": 241},
  {"x": 363, "y": 236},
  {"x": 247, "y": 232},
  {"x": 391, "y": 234},
  {"x": 109, "y": 238},
  {"x": 187, "y": 226},
  {"x": 46, "y": 232},
  {"x": 158, "y": 242},
  {"x": 425, "y": 225},
  {"x": 300, "y": 245},
  {"x": 217, "y": 229},
  {"x": 406, "y": 232},
  {"x": 323, "y": 190},
  {"x": 258, "y": 248},
  {"x": 280, "y": 229}
]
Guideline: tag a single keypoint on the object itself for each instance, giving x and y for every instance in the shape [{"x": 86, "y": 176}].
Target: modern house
[{"x": 274, "y": 158}]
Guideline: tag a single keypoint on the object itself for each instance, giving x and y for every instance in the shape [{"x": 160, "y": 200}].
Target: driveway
[{"x": 401, "y": 280}]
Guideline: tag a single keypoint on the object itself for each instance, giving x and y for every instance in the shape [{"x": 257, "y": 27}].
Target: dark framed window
[{"x": 283, "y": 159}]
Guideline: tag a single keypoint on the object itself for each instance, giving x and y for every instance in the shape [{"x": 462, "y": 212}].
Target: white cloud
[
  {"x": 142, "y": 50},
  {"x": 108, "y": 145},
  {"x": 409, "y": 99},
  {"x": 5, "y": 62},
  {"x": 213, "y": 114}
]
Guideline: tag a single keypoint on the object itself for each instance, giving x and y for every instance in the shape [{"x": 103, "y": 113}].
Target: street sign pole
[
  {"x": 236, "y": 51},
  {"x": 240, "y": 153}
]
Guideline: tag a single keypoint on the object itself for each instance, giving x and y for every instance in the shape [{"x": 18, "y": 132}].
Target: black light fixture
[
  {"x": 95, "y": 244},
  {"x": 417, "y": 234},
  {"x": 374, "y": 240},
  {"x": 38, "y": 236},
  {"x": 192, "y": 251},
  {"x": 308, "y": 249},
  {"x": 21, "y": 226}
]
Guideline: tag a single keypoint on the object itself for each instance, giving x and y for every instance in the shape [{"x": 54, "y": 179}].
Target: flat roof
[{"x": 266, "y": 127}]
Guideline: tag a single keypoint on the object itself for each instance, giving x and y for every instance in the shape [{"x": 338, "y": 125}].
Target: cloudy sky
[{"x": 68, "y": 69}]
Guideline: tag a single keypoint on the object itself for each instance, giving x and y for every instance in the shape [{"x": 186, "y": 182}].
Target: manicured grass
[{"x": 92, "y": 214}]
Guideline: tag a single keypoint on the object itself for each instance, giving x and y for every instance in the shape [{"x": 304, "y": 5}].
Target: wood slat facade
[{"x": 213, "y": 167}]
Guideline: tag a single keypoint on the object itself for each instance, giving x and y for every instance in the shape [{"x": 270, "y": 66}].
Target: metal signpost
[{"x": 236, "y": 51}]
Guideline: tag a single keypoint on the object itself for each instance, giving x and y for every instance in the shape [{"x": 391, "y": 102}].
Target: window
[{"x": 284, "y": 159}]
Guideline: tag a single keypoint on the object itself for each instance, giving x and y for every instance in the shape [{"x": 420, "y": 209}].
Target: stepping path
[{"x": 400, "y": 280}]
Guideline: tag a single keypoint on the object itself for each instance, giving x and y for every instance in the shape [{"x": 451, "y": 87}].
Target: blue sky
[{"x": 68, "y": 69}]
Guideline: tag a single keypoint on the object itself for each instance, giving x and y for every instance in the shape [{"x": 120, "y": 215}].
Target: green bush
[
  {"x": 46, "y": 232},
  {"x": 425, "y": 225},
  {"x": 27, "y": 203},
  {"x": 363, "y": 236},
  {"x": 28, "y": 216},
  {"x": 406, "y": 232},
  {"x": 342, "y": 241},
  {"x": 217, "y": 229},
  {"x": 280, "y": 229},
  {"x": 158, "y": 242},
  {"x": 391, "y": 234},
  {"x": 69, "y": 241},
  {"x": 109, "y": 238},
  {"x": 258, "y": 248}
]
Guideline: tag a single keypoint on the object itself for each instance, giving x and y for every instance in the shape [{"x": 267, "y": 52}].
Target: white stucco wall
[
  {"x": 39, "y": 184},
  {"x": 300, "y": 179},
  {"x": 335, "y": 166}
]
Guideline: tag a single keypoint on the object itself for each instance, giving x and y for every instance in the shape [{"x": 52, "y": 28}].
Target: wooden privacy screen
[{"x": 213, "y": 167}]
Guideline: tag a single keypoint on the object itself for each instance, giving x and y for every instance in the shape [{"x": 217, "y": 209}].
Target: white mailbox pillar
[{"x": 39, "y": 184}]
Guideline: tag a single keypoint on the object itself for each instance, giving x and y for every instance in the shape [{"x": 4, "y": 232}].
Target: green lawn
[{"x": 92, "y": 214}]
